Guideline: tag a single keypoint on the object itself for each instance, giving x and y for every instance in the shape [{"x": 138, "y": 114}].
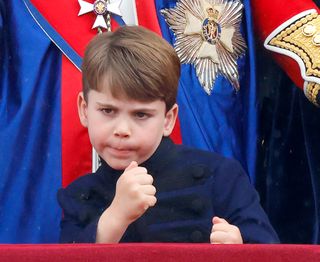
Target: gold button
[
  {"x": 309, "y": 30},
  {"x": 316, "y": 39}
]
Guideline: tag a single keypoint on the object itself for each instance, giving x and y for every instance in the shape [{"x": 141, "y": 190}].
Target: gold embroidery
[
  {"x": 302, "y": 38},
  {"x": 313, "y": 93}
]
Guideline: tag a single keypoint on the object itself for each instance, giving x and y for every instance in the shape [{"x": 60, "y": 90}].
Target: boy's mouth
[{"x": 120, "y": 151}]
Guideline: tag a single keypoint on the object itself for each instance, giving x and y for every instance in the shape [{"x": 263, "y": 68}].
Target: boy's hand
[
  {"x": 224, "y": 233},
  {"x": 134, "y": 193}
]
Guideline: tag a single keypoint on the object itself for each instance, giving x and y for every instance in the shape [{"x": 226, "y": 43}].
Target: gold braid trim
[
  {"x": 294, "y": 38},
  {"x": 313, "y": 93}
]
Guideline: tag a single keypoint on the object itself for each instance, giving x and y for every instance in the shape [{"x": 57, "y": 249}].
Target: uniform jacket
[
  {"x": 295, "y": 50},
  {"x": 192, "y": 187}
]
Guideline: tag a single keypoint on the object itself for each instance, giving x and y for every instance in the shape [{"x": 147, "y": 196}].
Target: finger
[
  {"x": 138, "y": 170},
  {"x": 231, "y": 237},
  {"x": 148, "y": 190},
  {"x": 221, "y": 227},
  {"x": 217, "y": 220},
  {"x": 133, "y": 164},
  {"x": 218, "y": 237},
  {"x": 144, "y": 179},
  {"x": 151, "y": 200}
]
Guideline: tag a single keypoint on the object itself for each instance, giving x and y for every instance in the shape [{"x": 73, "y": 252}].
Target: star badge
[
  {"x": 208, "y": 36},
  {"x": 100, "y": 8}
]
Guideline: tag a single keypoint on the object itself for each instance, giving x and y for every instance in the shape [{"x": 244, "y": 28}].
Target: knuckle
[
  {"x": 152, "y": 201},
  {"x": 142, "y": 169},
  {"x": 235, "y": 229},
  {"x": 150, "y": 178},
  {"x": 155, "y": 199}
]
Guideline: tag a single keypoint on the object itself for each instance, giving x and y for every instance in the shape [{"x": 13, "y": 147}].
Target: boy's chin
[{"x": 118, "y": 164}]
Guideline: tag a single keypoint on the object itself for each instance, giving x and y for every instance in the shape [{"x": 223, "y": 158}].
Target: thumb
[
  {"x": 133, "y": 164},
  {"x": 217, "y": 220}
]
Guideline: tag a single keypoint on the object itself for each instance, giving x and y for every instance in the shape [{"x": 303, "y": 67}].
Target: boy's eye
[
  {"x": 107, "y": 111},
  {"x": 141, "y": 115}
]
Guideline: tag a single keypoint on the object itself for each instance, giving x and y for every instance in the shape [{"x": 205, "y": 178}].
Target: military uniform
[
  {"x": 293, "y": 36},
  {"x": 192, "y": 187}
]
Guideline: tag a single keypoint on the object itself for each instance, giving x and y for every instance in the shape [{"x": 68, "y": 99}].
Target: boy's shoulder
[
  {"x": 196, "y": 162},
  {"x": 178, "y": 167},
  {"x": 78, "y": 190},
  {"x": 83, "y": 181},
  {"x": 195, "y": 156},
  {"x": 85, "y": 184}
]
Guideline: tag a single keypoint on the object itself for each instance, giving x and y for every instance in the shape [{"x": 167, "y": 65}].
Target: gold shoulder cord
[{"x": 303, "y": 38}]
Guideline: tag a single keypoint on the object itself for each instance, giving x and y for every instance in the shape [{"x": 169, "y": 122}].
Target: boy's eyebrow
[
  {"x": 105, "y": 105},
  {"x": 137, "y": 109},
  {"x": 144, "y": 109}
]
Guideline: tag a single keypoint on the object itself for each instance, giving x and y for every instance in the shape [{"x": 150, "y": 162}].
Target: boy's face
[{"x": 123, "y": 130}]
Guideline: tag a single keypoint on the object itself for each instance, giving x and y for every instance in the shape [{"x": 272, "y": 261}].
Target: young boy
[{"x": 147, "y": 189}]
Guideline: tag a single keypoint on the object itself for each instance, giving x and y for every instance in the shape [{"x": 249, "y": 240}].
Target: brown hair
[{"x": 132, "y": 61}]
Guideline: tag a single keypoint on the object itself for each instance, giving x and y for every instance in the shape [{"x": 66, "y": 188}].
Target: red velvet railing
[{"x": 160, "y": 252}]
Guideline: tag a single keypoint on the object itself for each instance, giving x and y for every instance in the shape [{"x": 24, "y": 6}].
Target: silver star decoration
[
  {"x": 208, "y": 36},
  {"x": 100, "y": 8}
]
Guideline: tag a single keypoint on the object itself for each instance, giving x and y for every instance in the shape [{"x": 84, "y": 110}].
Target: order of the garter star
[
  {"x": 208, "y": 36},
  {"x": 100, "y": 8}
]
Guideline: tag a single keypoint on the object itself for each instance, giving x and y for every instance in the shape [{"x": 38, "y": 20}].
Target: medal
[
  {"x": 208, "y": 37},
  {"x": 102, "y": 9}
]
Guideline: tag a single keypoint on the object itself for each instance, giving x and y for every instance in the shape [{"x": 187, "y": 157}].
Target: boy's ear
[
  {"x": 82, "y": 109},
  {"x": 170, "y": 120}
]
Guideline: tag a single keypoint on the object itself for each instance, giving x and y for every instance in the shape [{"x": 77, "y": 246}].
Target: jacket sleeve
[
  {"x": 290, "y": 30},
  {"x": 236, "y": 200}
]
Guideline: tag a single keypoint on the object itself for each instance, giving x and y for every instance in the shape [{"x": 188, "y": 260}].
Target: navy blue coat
[{"x": 192, "y": 187}]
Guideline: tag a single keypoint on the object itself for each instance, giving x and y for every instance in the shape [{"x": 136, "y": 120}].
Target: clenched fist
[
  {"x": 134, "y": 193},
  {"x": 224, "y": 233}
]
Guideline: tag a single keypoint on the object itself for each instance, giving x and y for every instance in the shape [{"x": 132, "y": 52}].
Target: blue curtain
[{"x": 30, "y": 132}]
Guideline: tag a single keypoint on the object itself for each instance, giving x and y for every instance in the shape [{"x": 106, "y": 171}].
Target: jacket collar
[{"x": 159, "y": 158}]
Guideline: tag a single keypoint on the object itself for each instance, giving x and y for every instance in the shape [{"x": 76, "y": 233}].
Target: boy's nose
[{"x": 122, "y": 129}]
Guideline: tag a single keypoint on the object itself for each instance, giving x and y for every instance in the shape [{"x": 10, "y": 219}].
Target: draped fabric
[
  {"x": 30, "y": 141},
  {"x": 288, "y": 157},
  {"x": 288, "y": 165}
]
